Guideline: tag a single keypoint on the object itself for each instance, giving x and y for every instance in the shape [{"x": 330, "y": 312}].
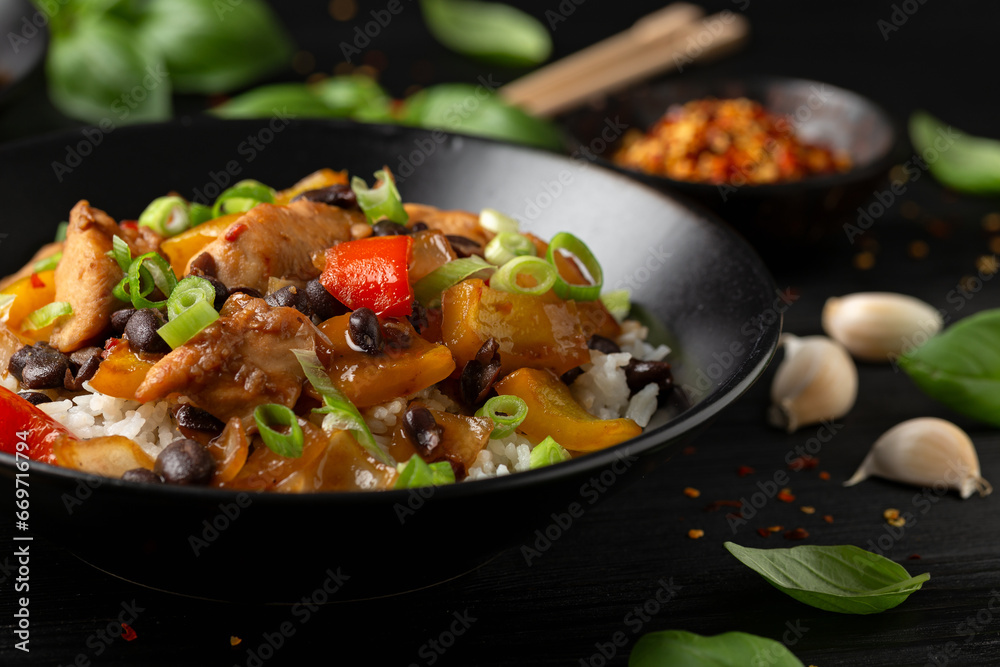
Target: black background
[{"x": 573, "y": 599}]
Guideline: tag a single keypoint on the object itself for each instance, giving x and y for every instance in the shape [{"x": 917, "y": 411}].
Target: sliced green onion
[
  {"x": 46, "y": 315},
  {"x": 543, "y": 273},
  {"x": 199, "y": 213},
  {"x": 495, "y": 221},
  {"x": 547, "y": 452},
  {"x": 47, "y": 264},
  {"x": 340, "y": 412},
  {"x": 167, "y": 216},
  {"x": 188, "y": 324},
  {"x": 187, "y": 293},
  {"x": 505, "y": 246},
  {"x": 61, "y": 231},
  {"x": 382, "y": 201},
  {"x": 163, "y": 277},
  {"x": 566, "y": 242},
  {"x": 507, "y": 413},
  {"x": 429, "y": 288},
  {"x": 618, "y": 303},
  {"x": 242, "y": 197},
  {"x": 283, "y": 444},
  {"x": 416, "y": 473},
  {"x": 5, "y": 301},
  {"x": 121, "y": 253}
]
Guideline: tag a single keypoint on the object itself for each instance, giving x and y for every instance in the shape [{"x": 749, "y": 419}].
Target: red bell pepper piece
[
  {"x": 371, "y": 273},
  {"x": 20, "y": 421}
]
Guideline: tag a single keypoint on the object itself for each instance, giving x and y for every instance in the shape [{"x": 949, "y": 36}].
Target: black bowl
[
  {"x": 25, "y": 30},
  {"x": 690, "y": 272},
  {"x": 777, "y": 217}
]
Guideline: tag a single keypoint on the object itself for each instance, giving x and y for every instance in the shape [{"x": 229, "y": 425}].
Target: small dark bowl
[
  {"x": 26, "y": 45},
  {"x": 688, "y": 271},
  {"x": 775, "y": 217}
]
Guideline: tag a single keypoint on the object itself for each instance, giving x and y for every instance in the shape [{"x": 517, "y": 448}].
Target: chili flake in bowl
[{"x": 727, "y": 141}]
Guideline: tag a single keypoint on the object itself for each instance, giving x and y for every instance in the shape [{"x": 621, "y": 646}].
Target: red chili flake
[
  {"x": 36, "y": 282},
  {"x": 913, "y": 557},
  {"x": 828, "y": 518},
  {"x": 234, "y": 640},
  {"x": 796, "y": 534},
  {"x": 743, "y": 471},
  {"x": 764, "y": 532},
  {"x": 234, "y": 232},
  {"x": 805, "y": 462},
  {"x": 129, "y": 224},
  {"x": 785, "y": 496},
  {"x": 824, "y": 475},
  {"x": 127, "y": 632},
  {"x": 775, "y": 529},
  {"x": 718, "y": 504},
  {"x": 734, "y": 515},
  {"x": 688, "y": 451}
]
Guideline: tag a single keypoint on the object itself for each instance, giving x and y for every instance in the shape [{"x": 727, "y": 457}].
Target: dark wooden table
[{"x": 627, "y": 566}]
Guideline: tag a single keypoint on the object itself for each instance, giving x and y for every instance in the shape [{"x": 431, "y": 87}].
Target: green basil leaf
[
  {"x": 844, "y": 579},
  {"x": 292, "y": 99},
  {"x": 214, "y": 47},
  {"x": 353, "y": 95},
  {"x": 490, "y": 31},
  {"x": 477, "y": 110},
  {"x": 97, "y": 71},
  {"x": 963, "y": 163},
  {"x": 678, "y": 648},
  {"x": 961, "y": 366}
]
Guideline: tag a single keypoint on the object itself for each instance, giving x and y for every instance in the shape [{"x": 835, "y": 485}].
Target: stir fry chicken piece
[
  {"x": 277, "y": 241},
  {"x": 85, "y": 277},
  {"x": 242, "y": 360}
]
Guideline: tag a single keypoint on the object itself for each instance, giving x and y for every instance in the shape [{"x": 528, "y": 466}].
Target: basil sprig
[
  {"x": 490, "y": 31},
  {"x": 678, "y": 648},
  {"x": 844, "y": 579},
  {"x": 963, "y": 163},
  {"x": 961, "y": 366}
]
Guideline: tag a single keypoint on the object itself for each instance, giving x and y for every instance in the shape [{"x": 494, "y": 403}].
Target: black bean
[
  {"x": 602, "y": 344},
  {"x": 249, "y": 291},
  {"x": 290, "y": 296},
  {"x": 334, "y": 195},
  {"x": 570, "y": 376},
  {"x": 464, "y": 247},
  {"x": 141, "y": 475},
  {"x": 141, "y": 331},
  {"x": 83, "y": 365},
  {"x": 203, "y": 265},
  {"x": 18, "y": 360},
  {"x": 397, "y": 338},
  {"x": 34, "y": 397},
  {"x": 196, "y": 419},
  {"x": 44, "y": 367},
  {"x": 480, "y": 373},
  {"x": 418, "y": 317},
  {"x": 419, "y": 226},
  {"x": 420, "y": 426},
  {"x": 221, "y": 292},
  {"x": 120, "y": 318},
  {"x": 324, "y": 305},
  {"x": 389, "y": 228},
  {"x": 185, "y": 462},
  {"x": 640, "y": 373},
  {"x": 365, "y": 331}
]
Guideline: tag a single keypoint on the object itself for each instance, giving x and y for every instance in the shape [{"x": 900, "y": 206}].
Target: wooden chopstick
[{"x": 657, "y": 43}]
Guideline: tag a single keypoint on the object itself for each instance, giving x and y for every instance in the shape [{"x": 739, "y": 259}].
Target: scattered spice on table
[
  {"x": 743, "y": 471},
  {"x": 864, "y": 260},
  {"x": 797, "y": 534},
  {"x": 688, "y": 451},
  {"x": 893, "y": 517},
  {"x": 696, "y": 533},
  {"x": 987, "y": 264},
  {"x": 764, "y": 532},
  {"x": 234, "y": 640},
  {"x": 775, "y": 529},
  {"x": 786, "y": 496},
  {"x": 918, "y": 249},
  {"x": 719, "y": 504},
  {"x": 913, "y": 557},
  {"x": 828, "y": 518},
  {"x": 824, "y": 475},
  {"x": 691, "y": 492},
  {"x": 804, "y": 462},
  {"x": 128, "y": 634},
  {"x": 808, "y": 509}
]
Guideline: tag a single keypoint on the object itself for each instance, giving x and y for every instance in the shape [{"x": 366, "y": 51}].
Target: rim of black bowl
[
  {"x": 875, "y": 166},
  {"x": 724, "y": 394}
]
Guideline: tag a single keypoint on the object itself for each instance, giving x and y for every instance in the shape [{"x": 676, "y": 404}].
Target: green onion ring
[
  {"x": 505, "y": 246},
  {"x": 187, "y": 293},
  {"x": 283, "y": 444},
  {"x": 574, "y": 246},
  {"x": 46, "y": 315},
  {"x": 163, "y": 277},
  {"x": 506, "y": 411},
  {"x": 544, "y": 273},
  {"x": 547, "y": 452},
  {"x": 188, "y": 324},
  {"x": 380, "y": 202}
]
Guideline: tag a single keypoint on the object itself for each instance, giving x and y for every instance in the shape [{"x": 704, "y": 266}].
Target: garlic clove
[
  {"x": 925, "y": 452},
  {"x": 877, "y": 326},
  {"x": 816, "y": 381}
]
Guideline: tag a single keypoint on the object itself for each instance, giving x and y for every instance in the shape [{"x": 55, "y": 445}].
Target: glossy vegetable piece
[
  {"x": 121, "y": 373},
  {"x": 317, "y": 180},
  {"x": 371, "y": 273},
  {"x": 30, "y": 293},
  {"x": 398, "y": 371},
  {"x": 108, "y": 456},
  {"x": 20, "y": 418},
  {"x": 462, "y": 438},
  {"x": 532, "y": 331},
  {"x": 595, "y": 318},
  {"x": 230, "y": 451},
  {"x": 431, "y": 251},
  {"x": 552, "y": 411},
  {"x": 180, "y": 249}
]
